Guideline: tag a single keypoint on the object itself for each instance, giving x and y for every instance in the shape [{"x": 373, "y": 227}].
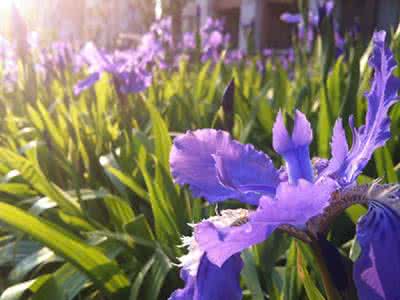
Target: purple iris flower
[
  {"x": 306, "y": 31},
  {"x": 325, "y": 10},
  {"x": 128, "y": 74},
  {"x": 213, "y": 25},
  {"x": 235, "y": 56},
  {"x": 301, "y": 195},
  {"x": 189, "y": 41},
  {"x": 162, "y": 29},
  {"x": 214, "y": 40},
  {"x": 156, "y": 46}
]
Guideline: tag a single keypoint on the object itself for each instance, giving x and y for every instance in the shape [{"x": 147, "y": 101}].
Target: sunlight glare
[
  {"x": 5, "y": 5},
  {"x": 24, "y": 7},
  {"x": 158, "y": 9}
]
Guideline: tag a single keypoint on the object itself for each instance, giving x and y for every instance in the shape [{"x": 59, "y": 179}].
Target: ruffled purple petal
[
  {"x": 296, "y": 204},
  {"x": 376, "y": 272},
  {"x": 238, "y": 168},
  {"x": 376, "y": 131},
  {"x": 86, "y": 83},
  {"x": 294, "y": 149},
  {"x": 222, "y": 243},
  {"x": 212, "y": 282},
  {"x": 339, "y": 148},
  {"x": 293, "y": 204},
  {"x": 217, "y": 167}
]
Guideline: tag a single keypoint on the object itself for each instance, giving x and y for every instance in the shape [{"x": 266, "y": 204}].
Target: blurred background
[{"x": 105, "y": 22}]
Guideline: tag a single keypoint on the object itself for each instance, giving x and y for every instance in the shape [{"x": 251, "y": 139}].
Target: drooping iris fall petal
[
  {"x": 212, "y": 282},
  {"x": 376, "y": 272},
  {"x": 203, "y": 279},
  {"x": 217, "y": 167}
]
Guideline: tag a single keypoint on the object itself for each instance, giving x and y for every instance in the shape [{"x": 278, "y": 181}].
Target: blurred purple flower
[
  {"x": 129, "y": 75},
  {"x": 214, "y": 40},
  {"x": 235, "y": 56},
  {"x": 268, "y": 52},
  {"x": 324, "y": 10},
  {"x": 306, "y": 31},
  {"x": 9, "y": 65},
  {"x": 291, "y": 18},
  {"x": 189, "y": 41}
]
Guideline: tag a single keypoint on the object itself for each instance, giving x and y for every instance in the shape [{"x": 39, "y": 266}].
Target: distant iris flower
[
  {"x": 214, "y": 40},
  {"x": 129, "y": 76},
  {"x": 307, "y": 30},
  {"x": 301, "y": 196}
]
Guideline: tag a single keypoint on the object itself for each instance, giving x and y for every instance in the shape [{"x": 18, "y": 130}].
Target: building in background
[
  {"x": 368, "y": 15},
  {"x": 263, "y": 17},
  {"x": 106, "y": 20}
]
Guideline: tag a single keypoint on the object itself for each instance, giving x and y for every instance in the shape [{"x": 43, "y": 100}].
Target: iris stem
[{"x": 330, "y": 290}]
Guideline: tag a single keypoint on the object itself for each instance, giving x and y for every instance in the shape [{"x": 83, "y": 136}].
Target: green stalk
[{"x": 330, "y": 290}]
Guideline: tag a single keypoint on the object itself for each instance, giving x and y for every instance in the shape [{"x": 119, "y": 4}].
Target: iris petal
[
  {"x": 294, "y": 205},
  {"x": 340, "y": 149},
  {"x": 212, "y": 282},
  {"x": 377, "y": 270},
  {"x": 86, "y": 83},
  {"x": 97, "y": 60},
  {"x": 217, "y": 167},
  {"x": 187, "y": 293},
  {"x": 376, "y": 131},
  {"x": 222, "y": 243},
  {"x": 294, "y": 149},
  {"x": 291, "y": 18}
]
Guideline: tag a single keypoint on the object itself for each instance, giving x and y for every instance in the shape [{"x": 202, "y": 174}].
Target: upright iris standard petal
[
  {"x": 376, "y": 130},
  {"x": 377, "y": 270},
  {"x": 217, "y": 167},
  {"x": 293, "y": 205},
  {"x": 295, "y": 148},
  {"x": 212, "y": 282},
  {"x": 339, "y": 148}
]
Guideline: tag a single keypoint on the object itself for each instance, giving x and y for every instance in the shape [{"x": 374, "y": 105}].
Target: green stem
[{"x": 330, "y": 290}]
